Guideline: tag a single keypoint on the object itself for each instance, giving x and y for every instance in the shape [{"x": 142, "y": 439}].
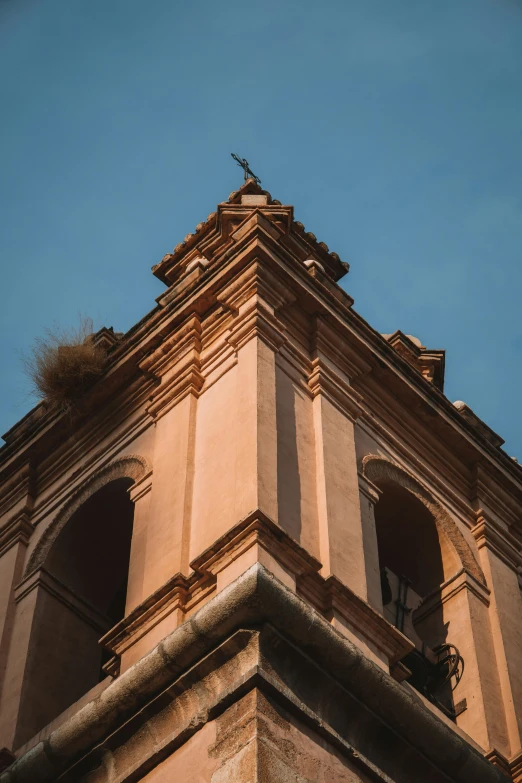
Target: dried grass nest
[{"x": 62, "y": 364}]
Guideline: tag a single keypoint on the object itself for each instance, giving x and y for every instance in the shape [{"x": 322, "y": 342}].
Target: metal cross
[{"x": 249, "y": 174}]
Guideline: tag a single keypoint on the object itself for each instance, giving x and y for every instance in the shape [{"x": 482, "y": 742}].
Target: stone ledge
[
  {"x": 255, "y": 598},
  {"x": 258, "y": 539}
]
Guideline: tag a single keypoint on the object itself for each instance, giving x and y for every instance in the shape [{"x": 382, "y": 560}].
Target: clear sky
[{"x": 395, "y": 129}]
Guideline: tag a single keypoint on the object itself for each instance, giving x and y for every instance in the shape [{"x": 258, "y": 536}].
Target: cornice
[
  {"x": 192, "y": 656},
  {"x": 331, "y": 597},
  {"x": 327, "y": 343},
  {"x": 216, "y": 233},
  {"x": 515, "y": 767},
  {"x": 256, "y": 528},
  {"x": 504, "y": 545},
  {"x": 17, "y": 530},
  {"x": 18, "y": 492},
  {"x": 459, "y": 582},
  {"x": 268, "y": 233},
  {"x": 500, "y": 761},
  {"x": 184, "y": 594},
  {"x": 323, "y": 381},
  {"x": 488, "y": 490}
]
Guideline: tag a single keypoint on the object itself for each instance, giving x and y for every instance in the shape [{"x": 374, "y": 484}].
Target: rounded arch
[
  {"x": 378, "y": 469},
  {"x": 131, "y": 466}
]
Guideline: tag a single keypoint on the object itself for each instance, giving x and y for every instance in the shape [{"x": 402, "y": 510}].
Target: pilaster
[
  {"x": 501, "y": 560},
  {"x": 336, "y": 406},
  {"x": 161, "y": 541}
]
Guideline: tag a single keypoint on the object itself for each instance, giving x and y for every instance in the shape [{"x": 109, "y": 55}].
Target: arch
[
  {"x": 130, "y": 466},
  {"x": 378, "y": 469}
]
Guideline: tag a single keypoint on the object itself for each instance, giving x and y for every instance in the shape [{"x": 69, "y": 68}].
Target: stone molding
[
  {"x": 17, "y": 495},
  {"x": 515, "y": 767},
  {"x": 504, "y": 545},
  {"x": 329, "y": 596},
  {"x": 256, "y": 528},
  {"x": 179, "y": 594},
  {"x": 254, "y": 599},
  {"x": 429, "y": 363},
  {"x": 228, "y": 223},
  {"x": 323, "y": 380},
  {"x": 254, "y": 298},
  {"x": 327, "y": 342},
  {"x": 128, "y": 466},
  {"x": 499, "y": 761},
  {"x": 43, "y": 580},
  {"x": 377, "y": 469},
  {"x": 460, "y": 581},
  {"x": 367, "y": 488},
  {"x": 176, "y": 367},
  {"x": 184, "y": 593},
  {"x": 16, "y": 531}
]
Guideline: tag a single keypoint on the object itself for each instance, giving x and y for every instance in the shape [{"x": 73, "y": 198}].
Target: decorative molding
[
  {"x": 179, "y": 594},
  {"x": 500, "y": 761},
  {"x": 329, "y": 596},
  {"x": 504, "y": 545},
  {"x": 129, "y": 466},
  {"x": 257, "y": 320},
  {"x": 515, "y": 767},
  {"x": 460, "y": 581},
  {"x": 323, "y": 380},
  {"x": 293, "y": 654},
  {"x": 18, "y": 491},
  {"x": 367, "y": 488},
  {"x": 43, "y": 580},
  {"x": 17, "y": 530},
  {"x": 328, "y": 345},
  {"x": 378, "y": 469},
  {"x": 256, "y": 528},
  {"x": 254, "y": 298},
  {"x": 429, "y": 363},
  {"x": 176, "y": 366}
]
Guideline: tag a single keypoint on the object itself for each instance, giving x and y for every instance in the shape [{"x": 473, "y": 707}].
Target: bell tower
[{"x": 265, "y": 548}]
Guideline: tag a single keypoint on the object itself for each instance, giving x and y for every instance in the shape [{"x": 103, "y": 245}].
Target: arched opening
[
  {"x": 412, "y": 572},
  {"x": 81, "y": 594},
  {"x": 407, "y": 539}
]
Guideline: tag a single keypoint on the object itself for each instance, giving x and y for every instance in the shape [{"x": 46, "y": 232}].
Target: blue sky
[{"x": 394, "y": 128}]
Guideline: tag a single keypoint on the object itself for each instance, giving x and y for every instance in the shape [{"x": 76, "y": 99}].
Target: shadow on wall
[
  {"x": 86, "y": 572},
  {"x": 288, "y": 477},
  {"x": 411, "y": 562}
]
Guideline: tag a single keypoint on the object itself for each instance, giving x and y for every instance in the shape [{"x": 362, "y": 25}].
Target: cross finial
[{"x": 249, "y": 174}]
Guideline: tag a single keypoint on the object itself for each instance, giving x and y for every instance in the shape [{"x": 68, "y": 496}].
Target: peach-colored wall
[
  {"x": 340, "y": 528},
  {"x": 170, "y": 485},
  {"x": 296, "y": 478},
  {"x": 213, "y": 505},
  {"x": 506, "y": 620},
  {"x": 16, "y": 665},
  {"x": 11, "y": 567},
  {"x": 190, "y": 763}
]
